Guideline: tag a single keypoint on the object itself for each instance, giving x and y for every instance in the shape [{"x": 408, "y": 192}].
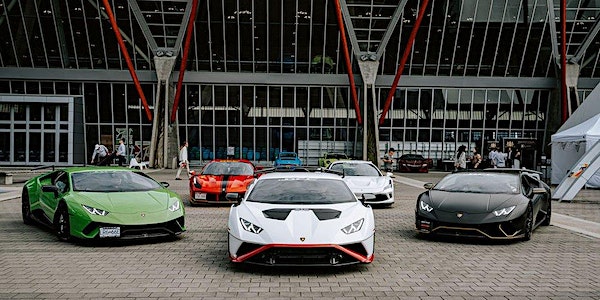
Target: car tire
[
  {"x": 62, "y": 223},
  {"x": 26, "y": 207},
  {"x": 528, "y": 224},
  {"x": 548, "y": 215}
]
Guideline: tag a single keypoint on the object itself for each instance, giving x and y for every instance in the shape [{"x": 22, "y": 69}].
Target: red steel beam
[
  {"x": 347, "y": 60},
  {"x": 563, "y": 59},
  {"x": 186, "y": 50},
  {"x": 411, "y": 40},
  {"x": 138, "y": 86}
]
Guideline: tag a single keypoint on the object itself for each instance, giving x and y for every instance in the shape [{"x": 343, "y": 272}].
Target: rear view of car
[{"x": 300, "y": 218}]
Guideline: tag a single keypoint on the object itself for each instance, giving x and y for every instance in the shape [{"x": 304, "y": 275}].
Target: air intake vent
[
  {"x": 277, "y": 214},
  {"x": 327, "y": 214}
]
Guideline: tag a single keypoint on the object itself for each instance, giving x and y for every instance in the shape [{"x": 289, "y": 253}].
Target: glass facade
[{"x": 266, "y": 76}]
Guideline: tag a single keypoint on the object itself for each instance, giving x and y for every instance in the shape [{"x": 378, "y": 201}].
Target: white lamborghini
[
  {"x": 364, "y": 177},
  {"x": 301, "y": 218}
]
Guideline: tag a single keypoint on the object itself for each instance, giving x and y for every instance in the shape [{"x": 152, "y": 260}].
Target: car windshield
[
  {"x": 112, "y": 181},
  {"x": 479, "y": 183},
  {"x": 336, "y": 156},
  {"x": 228, "y": 168},
  {"x": 353, "y": 169},
  {"x": 412, "y": 157},
  {"x": 301, "y": 191},
  {"x": 287, "y": 155}
]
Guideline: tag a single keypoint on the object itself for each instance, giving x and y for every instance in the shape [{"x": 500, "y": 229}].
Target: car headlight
[
  {"x": 505, "y": 211},
  {"x": 250, "y": 227},
  {"x": 424, "y": 206},
  {"x": 175, "y": 206},
  {"x": 95, "y": 211},
  {"x": 354, "y": 227},
  {"x": 390, "y": 185}
]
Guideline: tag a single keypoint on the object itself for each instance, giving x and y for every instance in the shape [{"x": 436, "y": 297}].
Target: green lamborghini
[{"x": 102, "y": 203}]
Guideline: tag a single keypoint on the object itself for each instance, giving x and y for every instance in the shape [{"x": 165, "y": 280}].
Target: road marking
[{"x": 575, "y": 224}]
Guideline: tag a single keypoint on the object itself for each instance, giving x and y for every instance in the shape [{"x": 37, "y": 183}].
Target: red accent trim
[
  {"x": 138, "y": 86},
  {"x": 347, "y": 61},
  {"x": 186, "y": 50},
  {"x": 563, "y": 59},
  {"x": 411, "y": 40},
  {"x": 360, "y": 258}
]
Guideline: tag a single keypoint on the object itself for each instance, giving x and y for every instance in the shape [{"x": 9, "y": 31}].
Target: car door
[
  {"x": 50, "y": 199},
  {"x": 538, "y": 200}
]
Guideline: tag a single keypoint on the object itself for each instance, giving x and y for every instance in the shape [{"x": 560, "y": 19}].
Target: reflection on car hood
[
  {"x": 366, "y": 182},
  {"x": 127, "y": 202},
  {"x": 471, "y": 202},
  {"x": 228, "y": 183}
]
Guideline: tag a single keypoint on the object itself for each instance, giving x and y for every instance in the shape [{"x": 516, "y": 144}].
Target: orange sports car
[{"x": 218, "y": 178}]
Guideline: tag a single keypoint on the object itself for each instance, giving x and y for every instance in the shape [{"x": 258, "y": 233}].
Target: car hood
[
  {"x": 471, "y": 202},
  {"x": 366, "y": 183},
  {"x": 228, "y": 183},
  {"x": 309, "y": 224},
  {"x": 126, "y": 202}
]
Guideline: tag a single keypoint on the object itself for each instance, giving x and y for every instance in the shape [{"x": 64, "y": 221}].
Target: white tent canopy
[{"x": 569, "y": 145}]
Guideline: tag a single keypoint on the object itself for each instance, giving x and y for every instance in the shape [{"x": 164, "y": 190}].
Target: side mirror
[
  {"x": 428, "y": 185},
  {"x": 165, "y": 184},
  {"x": 49, "y": 189},
  {"x": 539, "y": 190},
  {"x": 193, "y": 172}
]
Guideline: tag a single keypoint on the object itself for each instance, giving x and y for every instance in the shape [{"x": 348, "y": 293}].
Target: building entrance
[{"x": 36, "y": 131}]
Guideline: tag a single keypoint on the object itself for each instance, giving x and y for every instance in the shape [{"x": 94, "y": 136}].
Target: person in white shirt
[
  {"x": 99, "y": 154},
  {"x": 183, "y": 160},
  {"x": 121, "y": 151},
  {"x": 460, "y": 161}
]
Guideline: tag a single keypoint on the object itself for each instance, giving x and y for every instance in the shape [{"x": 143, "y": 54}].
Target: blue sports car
[{"x": 287, "y": 159}]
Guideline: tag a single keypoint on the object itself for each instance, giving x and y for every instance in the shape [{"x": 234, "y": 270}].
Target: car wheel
[
  {"x": 548, "y": 216},
  {"x": 528, "y": 226},
  {"x": 62, "y": 224},
  {"x": 26, "y": 207}
]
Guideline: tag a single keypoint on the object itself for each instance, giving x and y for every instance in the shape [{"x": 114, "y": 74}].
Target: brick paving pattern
[{"x": 557, "y": 263}]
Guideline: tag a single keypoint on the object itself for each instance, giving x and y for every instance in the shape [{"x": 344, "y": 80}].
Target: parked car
[
  {"x": 414, "y": 163},
  {"x": 328, "y": 158},
  {"x": 301, "y": 218},
  {"x": 219, "y": 177},
  {"x": 287, "y": 159},
  {"x": 365, "y": 177},
  {"x": 491, "y": 204},
  {"x": 102, "y": 202}
]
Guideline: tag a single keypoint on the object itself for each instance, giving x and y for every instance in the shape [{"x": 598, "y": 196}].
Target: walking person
[
  {"x": 388, "y": 160},
  {"x": 460, "y": 161},
  {"x": 183, "y": 160},
  {"x": 99, "y": 154},
  {"x": 121, "y": 151}
]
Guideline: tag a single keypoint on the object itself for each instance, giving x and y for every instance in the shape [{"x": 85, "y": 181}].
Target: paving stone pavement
[{"x": 556, "y": 264}]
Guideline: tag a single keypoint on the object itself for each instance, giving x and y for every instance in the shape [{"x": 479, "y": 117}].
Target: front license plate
[
  {"x": 110, "y": 232},
  {"x": 200, "y": 196}
]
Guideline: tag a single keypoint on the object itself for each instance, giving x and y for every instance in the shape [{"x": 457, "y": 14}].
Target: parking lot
[{"x": 560, "y": 262}]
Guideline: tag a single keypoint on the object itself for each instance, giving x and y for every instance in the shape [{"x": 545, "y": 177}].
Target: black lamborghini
[{"x": 490, "y": 204}]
